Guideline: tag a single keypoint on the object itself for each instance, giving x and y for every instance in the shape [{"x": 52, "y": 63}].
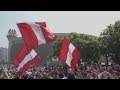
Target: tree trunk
[
  {"x": 117, "y": 60},
  {"x": 106, "y": 59}
]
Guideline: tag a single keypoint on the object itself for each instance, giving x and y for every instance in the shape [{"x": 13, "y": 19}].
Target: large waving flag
[
  {"x": 69, "y": 54},
  {"x": 25, "y": 59},
  {"x": 35, "y": 34}
]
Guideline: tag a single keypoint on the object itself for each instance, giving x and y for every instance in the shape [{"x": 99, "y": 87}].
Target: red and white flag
[
  {"x": 26, "y": 59},
  {"x": 35, "y": 34},
  {"x": 69, "y": 54}
]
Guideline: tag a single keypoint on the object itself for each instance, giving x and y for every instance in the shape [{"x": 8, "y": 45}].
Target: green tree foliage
[
  {"x": 110, "y": 41},
  {"x": 57, "y": 45},
  {"x": 87, "y": 45}
]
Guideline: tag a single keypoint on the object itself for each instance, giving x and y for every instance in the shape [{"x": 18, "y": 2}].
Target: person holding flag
[{"x": 69, "y": 55}]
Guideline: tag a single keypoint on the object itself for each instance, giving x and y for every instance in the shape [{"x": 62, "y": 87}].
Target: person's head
[
  {"x": 71, "y": 76},
  {"x": 25, "y": 76},
  {"x": 61, "y": 75},
  {"x": 94, "y": 75},
  {"x": 70, "y": 70}
]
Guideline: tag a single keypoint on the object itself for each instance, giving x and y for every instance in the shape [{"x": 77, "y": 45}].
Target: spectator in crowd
[{"x": 85, "y": 71}]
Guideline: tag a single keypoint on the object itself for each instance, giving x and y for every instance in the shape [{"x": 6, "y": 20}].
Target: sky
[{"x": 88, "y": 22}]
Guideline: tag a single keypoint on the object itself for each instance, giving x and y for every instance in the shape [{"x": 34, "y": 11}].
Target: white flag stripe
[
  {"x": 33, "y": 53},
  {"x": 69, "y": 59},
  {"x": 38, "y": 32},
  {"x": 27, "y": 58},
  {"x": 71, "y": 48}
]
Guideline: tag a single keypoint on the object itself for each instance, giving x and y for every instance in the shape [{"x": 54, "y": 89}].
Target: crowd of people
[{"x": 86, "y": 71}]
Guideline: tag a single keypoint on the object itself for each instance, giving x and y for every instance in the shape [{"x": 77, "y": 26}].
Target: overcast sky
[{"x": 88, "y": 22}]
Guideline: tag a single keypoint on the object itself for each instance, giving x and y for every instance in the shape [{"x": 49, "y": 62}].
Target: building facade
[{"x": 3, "y": 55}]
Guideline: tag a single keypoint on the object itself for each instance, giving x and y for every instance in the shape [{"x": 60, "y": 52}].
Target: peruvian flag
[
  {"x": 69, "y": 54},
  {"x": 26, "y": 58},
  {"x": 35, "y": 34}
]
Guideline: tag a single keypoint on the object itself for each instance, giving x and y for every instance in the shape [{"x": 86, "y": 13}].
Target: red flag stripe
[
  {"x": 28, "y": 35},
  {"x": 48, "y": 35},
  {"x": 64, "y": 50},
  {"x": 21, "y": 55},
  {"x": 76, "y": 56},
  {"x": 41, "y": 24}
]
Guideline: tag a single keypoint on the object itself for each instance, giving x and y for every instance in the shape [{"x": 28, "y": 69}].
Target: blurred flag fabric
[
  {"x": 26, "y": 59},
  {"x": 69, "y": 54},
  {"x": 35, "y": 34}
]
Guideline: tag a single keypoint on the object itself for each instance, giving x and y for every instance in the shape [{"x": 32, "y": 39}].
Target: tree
[
  {"x": 56, "y": 46},
  {"x": 49, "y": 57},
  {"x": 87, "y": 45},
  {"x": 110, "y": 41}
]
